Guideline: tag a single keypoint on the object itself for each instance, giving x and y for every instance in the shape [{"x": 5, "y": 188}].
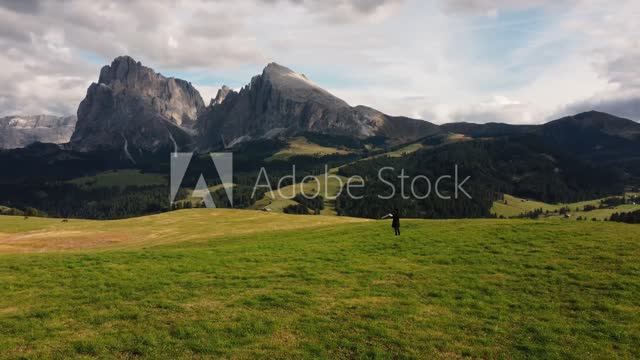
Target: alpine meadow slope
[
  {"x": 336, "y": 289},
  {"x": 305, "y": 179}
]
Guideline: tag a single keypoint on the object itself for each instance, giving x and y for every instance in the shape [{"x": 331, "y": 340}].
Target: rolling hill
[
  {"x": 241, "y": 284},
  {"x": 511, "y": 206},
  {"x": 49, "y": 234},
  {"x": 595, "y": 137}
]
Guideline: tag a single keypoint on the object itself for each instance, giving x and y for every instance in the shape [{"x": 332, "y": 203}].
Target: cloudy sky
[{"x": 439, "y": 60}]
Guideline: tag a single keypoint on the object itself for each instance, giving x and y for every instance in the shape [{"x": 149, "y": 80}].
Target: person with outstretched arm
[{"x": 395, "y": 223}]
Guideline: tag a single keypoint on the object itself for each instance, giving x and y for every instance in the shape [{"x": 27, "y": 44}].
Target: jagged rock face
[
  {"x": 20, "y": 131},
  {"x": 221, "y": 95},
  {"x": 280, "y": 102},
  {"x": 132, "y": 107}
]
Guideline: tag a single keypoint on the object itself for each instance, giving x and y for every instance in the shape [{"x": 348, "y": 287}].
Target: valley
[
  {"x": 303, "y": 179},
  {"x": 116, "y": 163}
]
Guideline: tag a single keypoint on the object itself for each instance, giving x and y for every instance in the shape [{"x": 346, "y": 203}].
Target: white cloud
[
  {"x": 346, "y": 11},
  {"x": 442, "y": 60},
  {"x": 622, "y": 103},
  {"x": 614, "y": 54},
  {"x": 493, "y": 7},
  {"x": 497, "y": 109}
]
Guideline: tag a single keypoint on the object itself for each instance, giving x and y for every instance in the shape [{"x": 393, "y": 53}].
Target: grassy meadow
[
  {"x": 244, "y": 284},
  {"x": 301, "y": 146},
  {"x": 516, "y": 206}
]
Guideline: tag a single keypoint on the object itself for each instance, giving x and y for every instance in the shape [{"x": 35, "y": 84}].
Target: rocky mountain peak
[
  {"x": 282, "y": 103},
  {"x": 176, "y": 99},
  {"x": 295, "y": 86},
  {"x": 221, "y": 95},
  {"x": 274, "y": 67},
  {"x": 133, "y": 105},
  {"x": 133, "y": 108},
  {"x": 120, "y": 69}
]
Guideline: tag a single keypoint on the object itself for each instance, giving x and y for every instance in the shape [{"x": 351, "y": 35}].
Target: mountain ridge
[
  {"x": 608, "y": 123},
  {"x": 281, "y": 102},
  {"x": 18, "y": 131},
  {"x": 592, "y": 136},
  {"x": 134, "y": 108}
]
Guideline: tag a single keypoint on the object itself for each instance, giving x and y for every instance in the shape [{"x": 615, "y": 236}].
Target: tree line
[{"x": 626, "y": 217}]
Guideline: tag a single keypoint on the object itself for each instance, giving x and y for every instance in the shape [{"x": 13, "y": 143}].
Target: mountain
[
  {"x": 592, "y": 122},
  {"x": 595, "y": 137},
  {"x": 566, "y": 128},
  {"x": 595, "y": 122},
  {"x": 136, "y": 112},
  {"x": 131, "y": 107},
  {"x": 221, "y": 95},
  {"x": 281, "y": 102},
  {"x": 487, "y": 130},
  {"x": 598, "y": 138},
  {"x": 21, "y": 130},
  {"x": 594, "y": 134}
]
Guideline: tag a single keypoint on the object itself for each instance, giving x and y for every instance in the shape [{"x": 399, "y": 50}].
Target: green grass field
[
  {"x": 517, "y": 206},
  {"x": 409, "y": 149},
  {"x": 246, "y": 284},
  {"x": 413, "y": 147},
  {"x": 302, "y": 146}
]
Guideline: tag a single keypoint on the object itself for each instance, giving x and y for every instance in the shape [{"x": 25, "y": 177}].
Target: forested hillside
[{"x": 521, "y": 166}]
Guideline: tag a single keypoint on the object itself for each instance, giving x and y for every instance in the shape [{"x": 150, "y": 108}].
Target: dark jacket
[{"x": 396, "y": 221}]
